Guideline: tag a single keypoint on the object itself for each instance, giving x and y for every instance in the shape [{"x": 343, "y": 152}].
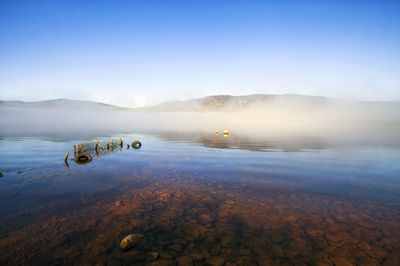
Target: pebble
[
  {"x": 153, "y": 255},
  {"x": 119, "y": 203},
  {"x": 216, "y": 250},
  {"x": 184, "y": 261},
  {"x": 176, "y": 247},
  {"x": 163, "y": 263},
  {"x": 133, "y": 256},
  {"x": 342, "y": 261},
  {"x": 205, "y": 219},
  {"x": 131, "y": 241},
  {"x": 180, "y": 241},
  {"x": 114, "y": 262},
  {"x": 244, "y": 251},
  {"x": 216, "y": 261},
  {"x": 166, "y": 256},
  {"x": 163, "y": 241},
  {"x": 197, "y": 256}
]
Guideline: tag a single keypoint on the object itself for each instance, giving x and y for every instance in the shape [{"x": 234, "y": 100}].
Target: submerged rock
[
  {"x": 133, "y": 257},
  {"x": 152, "y": 256},
  {"x": 131, "y": 241},
  {"x": 205, "y": 219},
  {"x": 215, "y": 261},
  {"x": 119, "y": 203},
  {"x": 184, "y": 261},
  {"x": 163, "y": 240},
  {"x": 166, "y": 256},
  {"x": 176, "y": 247},
  {"x": 162, "y": 263},
  {"x": 197, "y": 256}
]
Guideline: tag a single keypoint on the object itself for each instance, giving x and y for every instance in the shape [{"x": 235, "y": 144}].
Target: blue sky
[{"x": 136, "y": 53}]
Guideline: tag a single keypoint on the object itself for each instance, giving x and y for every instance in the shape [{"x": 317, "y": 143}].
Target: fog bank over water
[{"x": 257, "y": 116}]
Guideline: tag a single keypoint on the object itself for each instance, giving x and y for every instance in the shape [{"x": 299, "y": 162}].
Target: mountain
[
  {"x": 258, "y": 115},
  {"x": 232, "y": 103},
  {"x": 217, "y": 103},
  {"x": 60, "y": 104}
]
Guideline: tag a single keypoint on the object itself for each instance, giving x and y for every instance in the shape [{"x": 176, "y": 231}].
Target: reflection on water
[
  {"x": 244, "y": 142},
  {"x": 321, "y": 205}
]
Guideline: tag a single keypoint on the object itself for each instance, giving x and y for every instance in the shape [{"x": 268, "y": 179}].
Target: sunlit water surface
[{"x": 200, "y": 199}]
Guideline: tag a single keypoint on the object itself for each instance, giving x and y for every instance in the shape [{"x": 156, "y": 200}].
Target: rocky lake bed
[{"x": 183, "y": 203}]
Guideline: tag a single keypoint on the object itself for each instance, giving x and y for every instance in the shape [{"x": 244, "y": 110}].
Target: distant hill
[
  {"x": 206, "y": 104},
  {"x": 258, "y": 115},
  {"x": 60, "y": 104},
  {"x": 232, "y": 103},
  {"x": 237, "y": 103}
]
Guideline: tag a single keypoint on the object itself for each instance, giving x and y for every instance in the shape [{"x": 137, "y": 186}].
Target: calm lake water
[{"x": 200, "y": 199}]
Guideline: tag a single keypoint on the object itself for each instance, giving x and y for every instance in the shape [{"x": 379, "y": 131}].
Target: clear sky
[{"x": 136, "y": 53}]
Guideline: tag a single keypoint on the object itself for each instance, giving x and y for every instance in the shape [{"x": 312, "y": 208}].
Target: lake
[{"x": 199, "y": 199}]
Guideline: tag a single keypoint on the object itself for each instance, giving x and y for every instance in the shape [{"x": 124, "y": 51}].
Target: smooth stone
[
  {"x": 184, "y": 261},
  {"x": 216, "y": 250},
  {"x": 176, "y": 247},
  {"x": 215, "y": 261},
  {"x": 258, "y": 250},
  {"x": 267, "y": 261},
  {"x": 196, "y": 256},
  {"x": 244, "y": 251},
  {"x": 166, "y": 256},
  {"x": 131, "y": 241},
  {"x": 391, "y": 259},
  {"x": 228, "y": 242},
  {"x": 248, "y": 261},
  {"x": 180, "y": 241},
  {"x": 277, "y": 251},
  {"x": 162, "y": 263},
  {"x": 204, "y": 219},
  {"x": 114, "y": 262},
  {"x": 342, "y": 261},
  {"x": 133, "y": 257},
  {"x": 163, "y": 241},
  {"x": 153, "y": 255},
  {"x": 119, "y": 203}
]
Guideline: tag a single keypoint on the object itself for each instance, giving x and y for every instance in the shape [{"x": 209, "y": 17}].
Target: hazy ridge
[
  {"x": 205, "y": 104},
  {"x": 59, "y": 104},
  {"x": 258, "y": 115}
]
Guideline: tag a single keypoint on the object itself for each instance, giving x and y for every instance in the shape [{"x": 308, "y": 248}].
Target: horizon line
[{"x": 198, "y": 98}]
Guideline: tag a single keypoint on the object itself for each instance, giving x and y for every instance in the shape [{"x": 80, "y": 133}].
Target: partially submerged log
[{"x": 98, "y": 143}]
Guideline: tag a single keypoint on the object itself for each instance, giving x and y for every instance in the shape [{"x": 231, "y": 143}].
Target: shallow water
[{"x": 200, "y": 199}]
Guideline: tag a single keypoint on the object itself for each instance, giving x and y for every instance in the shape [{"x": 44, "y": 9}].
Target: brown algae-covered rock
[
  {"x": 119, "y": 203},
  {"x": 131, "y": 241},
  {"x": 162, "y": 263},
  {"x": 184, "y": 261},
  {"x": 215, "y": 261}
]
